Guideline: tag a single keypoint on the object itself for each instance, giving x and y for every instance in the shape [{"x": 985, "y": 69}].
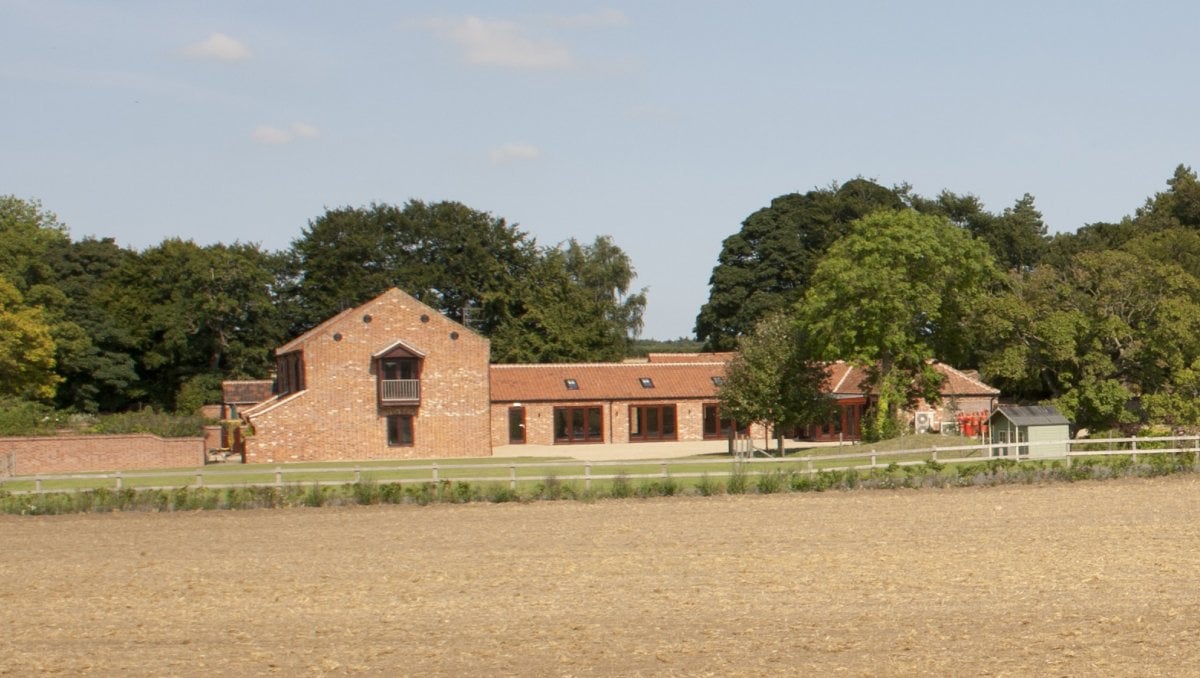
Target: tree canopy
[
  {"x": 773, "y": 380},
  {"x": 766, "y": 266},
  {"x": 893, "y": 294}
]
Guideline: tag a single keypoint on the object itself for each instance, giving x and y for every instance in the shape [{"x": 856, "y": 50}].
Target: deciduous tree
[
  {"x": 893, "y": 294},
  {"x": 773, "y": 382},
  {"x": 767, "y": 265}
]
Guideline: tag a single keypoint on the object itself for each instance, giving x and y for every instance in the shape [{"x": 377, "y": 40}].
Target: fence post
[
  {"x": 872, "y": 459},
  {"x": 1134, "y": 443},
  {"x": 278, "y": 476},
  {"x": 587, "y": 476},
  {"x": 935, "y": 452},
  {"x": 512, "y": 477},
  {"x": 199, "y": 479},
  {"x": 37, "y": 484},
  {"x": 117, "y": 475},
  {"x": 358, "y": 474},
  {"x": 810, "y": 467},
  {"x": 435, "y": 472},
  {"x": 664, "y": 469}
]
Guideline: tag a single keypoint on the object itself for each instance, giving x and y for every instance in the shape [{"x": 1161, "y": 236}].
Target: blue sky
[{"x": 662, "y": 124}]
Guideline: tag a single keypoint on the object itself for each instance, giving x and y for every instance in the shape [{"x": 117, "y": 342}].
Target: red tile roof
[
  {"x": 687, "y": 379},
  {"x": 846, "y": 379},
  {"x": 605, "y": 381},
  {"x": 690, "y": 357}
]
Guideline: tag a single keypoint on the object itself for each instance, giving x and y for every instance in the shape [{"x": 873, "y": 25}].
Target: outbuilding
[{"x": 1036, "y": 432}]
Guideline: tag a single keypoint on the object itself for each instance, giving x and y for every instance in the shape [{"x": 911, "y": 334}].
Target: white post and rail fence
[{"x": 862, "y": 458}]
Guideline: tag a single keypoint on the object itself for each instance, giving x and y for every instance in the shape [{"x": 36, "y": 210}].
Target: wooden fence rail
[{"x": 524, "y": 472}]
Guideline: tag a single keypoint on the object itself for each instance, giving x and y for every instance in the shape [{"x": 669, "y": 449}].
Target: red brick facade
[
  {"x": 339, "y": 414},
  {"x": 72, "y": 454}
]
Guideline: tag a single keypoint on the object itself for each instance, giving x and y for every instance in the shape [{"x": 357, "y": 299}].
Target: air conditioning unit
[{"x": 923, "y": 422}]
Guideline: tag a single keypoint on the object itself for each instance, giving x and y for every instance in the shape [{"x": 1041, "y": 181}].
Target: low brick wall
[{"x": 70, "y": 454}]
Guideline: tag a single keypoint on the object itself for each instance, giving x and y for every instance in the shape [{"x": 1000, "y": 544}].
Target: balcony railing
[{"x": 400, "y": 390}]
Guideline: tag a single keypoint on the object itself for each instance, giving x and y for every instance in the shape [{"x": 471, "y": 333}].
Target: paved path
[{"x": 622, "y": 451}]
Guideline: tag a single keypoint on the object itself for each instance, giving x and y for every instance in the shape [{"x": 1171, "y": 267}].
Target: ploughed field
[{"x": 1098, "y": 578}]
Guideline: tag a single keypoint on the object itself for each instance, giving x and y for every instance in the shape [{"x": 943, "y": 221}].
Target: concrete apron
[{"x": 630, "y": 451}]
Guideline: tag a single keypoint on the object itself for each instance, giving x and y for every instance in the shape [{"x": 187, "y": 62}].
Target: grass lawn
[{"x": 524, "y": 469}]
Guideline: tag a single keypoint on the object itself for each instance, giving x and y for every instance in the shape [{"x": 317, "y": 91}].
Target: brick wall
[
  {"x": 71, "y": 454},
  {"x": 338, "y": 415}
]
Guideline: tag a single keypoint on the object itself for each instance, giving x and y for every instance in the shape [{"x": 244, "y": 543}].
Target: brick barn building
[{"x": 393, "y": 378}]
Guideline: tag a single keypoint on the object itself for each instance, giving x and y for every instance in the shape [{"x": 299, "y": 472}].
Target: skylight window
[
  {"x": 647, "y": 382},
  {"x": 572, "y": 385},
  {"x": 718, "y": 381}
]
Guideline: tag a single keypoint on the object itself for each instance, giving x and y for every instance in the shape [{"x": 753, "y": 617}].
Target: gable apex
[
  {"x": 391, "y": 296},
  {"x": 399, "y": 347}
]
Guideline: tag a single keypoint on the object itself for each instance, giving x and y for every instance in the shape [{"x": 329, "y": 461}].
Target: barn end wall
[{"x": 339, "y": 417}]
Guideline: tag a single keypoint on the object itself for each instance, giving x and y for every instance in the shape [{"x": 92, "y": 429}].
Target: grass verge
[{"x": 740, "y": 480}]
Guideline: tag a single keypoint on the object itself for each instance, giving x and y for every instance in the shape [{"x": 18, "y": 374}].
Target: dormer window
[
  {"x": 398, "y": 373},
  {"x": 571, "y": 384},
  {"x": 646, "y": 382}
]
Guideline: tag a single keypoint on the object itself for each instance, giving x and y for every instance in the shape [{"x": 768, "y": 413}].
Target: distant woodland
[{"x": 1103, "y": 322}]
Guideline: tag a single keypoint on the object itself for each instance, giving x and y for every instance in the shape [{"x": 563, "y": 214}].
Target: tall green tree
[
  {"x": 1111, "y": 328},
  {"x": 606, "y": 271},
  {"x": 551, "y": 318},
  {"x": 461, "y": 261},
  {"x": 773, "y": 382},
  {"x": 95, "y": 351},
  {"x": 893, "y": 294},
  {"x": 198, "y": 314},
  {"x": 767, "y": 265},
  {"x": 26, "y": 349},
  {"x": 35, "y": 254}
]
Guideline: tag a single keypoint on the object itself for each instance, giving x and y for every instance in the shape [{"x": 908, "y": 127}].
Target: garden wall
[{"x": 70, "y": 454}]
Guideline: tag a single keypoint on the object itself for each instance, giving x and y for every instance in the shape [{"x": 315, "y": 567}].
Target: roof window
[
  {"x": 571, "y": 384},
  {"x": 646, "y": 382}
]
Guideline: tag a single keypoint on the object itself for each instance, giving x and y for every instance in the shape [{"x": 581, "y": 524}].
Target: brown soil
[{"x": 1083, "y": 579}]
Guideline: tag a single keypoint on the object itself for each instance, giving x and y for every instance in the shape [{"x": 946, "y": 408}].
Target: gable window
[
  {"x": 400, "y": 430},
  {"x": 578, "y": 424},
  {"x": 289, "y": 373},
  {"x": 646, "y": 382},
  {"x": 398, "y": 371},
  {"x": 652, "y": 422},
  {"x": 571, "y": 384}
]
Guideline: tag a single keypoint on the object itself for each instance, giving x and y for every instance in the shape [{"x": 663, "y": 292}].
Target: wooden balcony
[{"x": 399, "y": 391}]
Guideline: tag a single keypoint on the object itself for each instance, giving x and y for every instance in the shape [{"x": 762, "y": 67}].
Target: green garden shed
[{"x": 1013, "y": 429}]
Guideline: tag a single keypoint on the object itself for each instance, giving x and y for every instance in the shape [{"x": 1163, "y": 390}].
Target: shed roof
[
  {"x": 246, "y": 392},
  {"x": 1031, "y": 415}
]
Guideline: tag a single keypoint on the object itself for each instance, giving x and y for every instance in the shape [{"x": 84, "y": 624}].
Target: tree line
[
  {"x": 90, "y": 326},
  {"x": 1103, "y": 323}
]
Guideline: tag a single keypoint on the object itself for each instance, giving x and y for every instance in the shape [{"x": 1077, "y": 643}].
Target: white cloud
[
  {"x": 220, "y": 47},
  {"x": 493, "y": 42},
  {"x": 304, "y": 130},
  {"x": 269, "y": 135},
  {"x": 604, "y": 18},
  {"x": 512, "y": 152}
]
